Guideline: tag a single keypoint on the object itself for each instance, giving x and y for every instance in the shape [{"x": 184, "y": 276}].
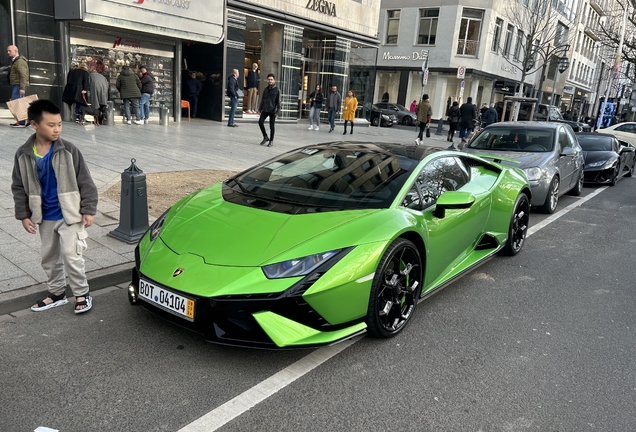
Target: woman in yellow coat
[{"x": 350, "y": 107}]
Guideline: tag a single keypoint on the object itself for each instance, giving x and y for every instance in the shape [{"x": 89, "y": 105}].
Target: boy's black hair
[{"x": 40, "y": 106}]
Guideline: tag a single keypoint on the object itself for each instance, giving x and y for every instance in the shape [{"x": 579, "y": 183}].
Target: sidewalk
[{"x": 108, "y": 150}]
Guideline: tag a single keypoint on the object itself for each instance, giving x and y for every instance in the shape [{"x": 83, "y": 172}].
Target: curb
[{"x": 23, "y": 298}]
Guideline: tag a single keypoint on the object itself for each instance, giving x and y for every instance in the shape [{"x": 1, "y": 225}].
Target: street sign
[
  {"x": 425, "y": 78},
  {"x": 463, "y": 84},
  {"x": 461, "y": 92},
  {"x": 424, "y": 64},
  {"x": 461, "y": 72}
]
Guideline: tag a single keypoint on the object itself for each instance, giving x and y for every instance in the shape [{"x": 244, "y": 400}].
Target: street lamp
[{"x": 546, "y": 55}]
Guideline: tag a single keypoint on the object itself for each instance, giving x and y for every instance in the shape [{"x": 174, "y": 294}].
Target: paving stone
[
  {"x": 16, "y": 283},
  {"x": 34, "y": 269},
  {"x": 104, "y": 257},
  {"x": 18, "y": 253},
  {"x": 8, "y": 270}
]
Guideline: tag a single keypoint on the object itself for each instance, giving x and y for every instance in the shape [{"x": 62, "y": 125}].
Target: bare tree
[
  {"x": 610, "y": 33},
  {"x": 544, "y": 39}
]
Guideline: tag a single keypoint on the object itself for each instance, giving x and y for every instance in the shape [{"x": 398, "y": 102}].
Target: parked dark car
[
  {"x": 543, "y": 112},
  {"x": 404, "y": 116},
  {"x": 373, "y": 115},
  {"x": 549, "y": 153},
  {"x": 606, "y": 158},
  {"x": 5, "y": 88}
]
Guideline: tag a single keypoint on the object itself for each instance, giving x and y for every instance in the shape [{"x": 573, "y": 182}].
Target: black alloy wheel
[
  {"x": 519, "y": 222},
  {"x": 407, "y": 121},
  {"x": 615, "y": 174},
  {"x": 375, "y": 121},
  {"x": 395, "y": 290},
  {"x": 551, "y": 201}
]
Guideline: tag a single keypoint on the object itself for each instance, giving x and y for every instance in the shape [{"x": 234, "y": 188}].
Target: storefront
[
  {"x": 314, "y": 44},
  {"x": 110, "y": 34}
]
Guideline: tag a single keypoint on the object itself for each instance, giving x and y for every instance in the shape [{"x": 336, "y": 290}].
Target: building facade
[{"x": 302, "y": 43}]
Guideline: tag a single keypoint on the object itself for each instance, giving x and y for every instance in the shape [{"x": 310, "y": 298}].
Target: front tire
[
  {"x": 395, "y": 290},
  {"x": 614, "y": 178},
  {"x": 519, "y": 222},
  {"x": 551, "y": 201},
  {"x": 375, "y": 121},
  {"x": 407, "y": 121}
]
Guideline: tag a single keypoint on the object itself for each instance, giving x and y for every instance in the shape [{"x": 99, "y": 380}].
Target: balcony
[
  {"x": 468, "y": 47},
  {"x": 597, "y": 7}
]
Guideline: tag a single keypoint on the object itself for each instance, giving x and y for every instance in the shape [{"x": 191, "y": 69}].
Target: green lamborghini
[{"x": 327, "y": 242}]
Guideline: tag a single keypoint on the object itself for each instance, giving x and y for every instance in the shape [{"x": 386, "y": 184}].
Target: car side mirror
[
  {"x": 568, "y": 151},
  {"x": 453, "y": 200}
]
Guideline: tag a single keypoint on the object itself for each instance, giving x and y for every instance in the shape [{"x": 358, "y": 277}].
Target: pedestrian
[
  {"x": 424, "y": 113},
  {"x": 193, "y": 89},
  {"x": 129, "y": 87},
  {"x": 413, "y": 106},
  {"x": 18, "y": 78},
  {"x": 453, "y": 120},
  {"x": 147, "y": 89},
  {"x": 467, "y": 117},
  {"x": 567, "y": 115},
  {"x": 270, "y": 106},
  {"x": 98, "y": 95},
  {"x": 74, "y": 93},
  {"x": 232, "y": 90},
  {"x": 316, "y": 99},
  {"x": 491, "y": 115},
  {"x": 54, "y": 193},
  {"x": 252, "y": 89},
  {"x": 350, "y": 108},
  {"x": 334, "y": 101}
]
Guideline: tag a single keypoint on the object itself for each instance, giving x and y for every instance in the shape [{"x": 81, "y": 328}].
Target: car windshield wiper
[{"x": 238, "y": 183}]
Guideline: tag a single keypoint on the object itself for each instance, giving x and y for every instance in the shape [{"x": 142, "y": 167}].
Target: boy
[{"x": 53, "y": 188}]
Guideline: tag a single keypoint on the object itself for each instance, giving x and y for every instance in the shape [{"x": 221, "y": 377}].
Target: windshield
[
  {"x": 595, "y": 143},
  {"x": 351, "y": 178},
  {"x": 519, "y": 139},
  {"x": 401, "y": 108}
]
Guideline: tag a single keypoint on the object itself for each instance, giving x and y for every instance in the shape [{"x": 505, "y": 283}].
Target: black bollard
[
  {"x": 440, "y": 125},
  {"x": 133, "y": 210}
]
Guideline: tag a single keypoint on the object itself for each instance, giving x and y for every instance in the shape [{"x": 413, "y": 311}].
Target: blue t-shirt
[{"x": 51, "y": 209}]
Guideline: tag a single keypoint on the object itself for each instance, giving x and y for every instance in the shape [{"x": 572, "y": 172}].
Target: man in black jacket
[
  {"x": 270, "y": 106},
  {"x": 232, "y": 93},
  {"x": 147, "y": 89}
]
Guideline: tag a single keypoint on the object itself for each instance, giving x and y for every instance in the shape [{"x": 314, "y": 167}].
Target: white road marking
[
  {"x": 242, "y": 403},
  {"x": 250, "y": 398},
  {"x": 563, "y": 212}
]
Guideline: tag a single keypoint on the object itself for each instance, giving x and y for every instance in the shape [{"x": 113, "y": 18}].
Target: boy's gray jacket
[{"x": 76, "y": 190}]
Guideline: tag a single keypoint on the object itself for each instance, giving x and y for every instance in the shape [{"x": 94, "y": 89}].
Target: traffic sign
[
  {"x": 425, "y": 78},
  {"x": 461, "y": 72},
  {"x": 424, "y": 64},
  {"x": 463, "y": 84}
]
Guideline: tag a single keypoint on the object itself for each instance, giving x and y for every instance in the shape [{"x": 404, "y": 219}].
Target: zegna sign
[{"x": 415, "y": 56}]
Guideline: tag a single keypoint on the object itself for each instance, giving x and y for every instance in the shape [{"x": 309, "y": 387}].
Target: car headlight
[
  {"x": 155, "y": 228},
  {"x": 533, "y": 173},
  {"x": 604, "y": 163},
  {"x": 298, "y": 266},
  {"x": 385, "y": 117}
]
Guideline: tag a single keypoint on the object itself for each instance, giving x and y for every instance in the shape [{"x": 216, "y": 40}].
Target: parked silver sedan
[{"x": 549, "y": 153}]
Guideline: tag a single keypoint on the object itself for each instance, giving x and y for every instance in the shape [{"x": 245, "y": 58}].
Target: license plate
[{"x": 167, "y": 300}]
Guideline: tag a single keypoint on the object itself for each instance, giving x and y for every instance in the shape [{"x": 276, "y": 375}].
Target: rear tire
[
  {"x": 518, "y": 229},
  {"x": 407, "y": 121},
  {"x": 631, "y": 169},
  {"x": 395, "y": 290},
  {"x": 578, "y": 189},
  {"x": 551, "y": 201}
]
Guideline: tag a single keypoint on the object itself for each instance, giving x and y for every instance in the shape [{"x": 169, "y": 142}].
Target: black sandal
[
  {"x": 88, "y": 302},
  {"x": 57, "y": 300}
]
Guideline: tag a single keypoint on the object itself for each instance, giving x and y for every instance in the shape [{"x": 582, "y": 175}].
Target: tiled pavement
[{"x": 108, "y": 150}]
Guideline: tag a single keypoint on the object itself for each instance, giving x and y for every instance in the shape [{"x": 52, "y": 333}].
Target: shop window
[
  {"x": 497, "y": 35},
  {"x": 392, "y": 27},
  {"x": 469, "y": 32},
  {"x": 508, "y": 43},
  {"x": 428, "y": 26}
]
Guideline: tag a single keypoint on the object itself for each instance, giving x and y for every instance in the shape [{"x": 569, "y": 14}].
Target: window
[
  {"x": 497, "y": 35},
  {"x": 392, "y": 26},
  {"x": 508, "y": 44},
  {"x": 428, "y": 26},
  {"x": 520, "y": 43},
  {"x": 438, "y": 176},
  {"x": 469, "y": 32}
]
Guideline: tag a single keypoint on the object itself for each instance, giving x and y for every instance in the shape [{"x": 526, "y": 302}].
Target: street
[{"x": 540, "y": 341}]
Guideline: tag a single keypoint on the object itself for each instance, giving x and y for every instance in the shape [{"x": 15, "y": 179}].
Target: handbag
[
  {"x": 18, "y": 107},
  {"x": 240, "y": 93},
  {"x": 428, "y": 132}
]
